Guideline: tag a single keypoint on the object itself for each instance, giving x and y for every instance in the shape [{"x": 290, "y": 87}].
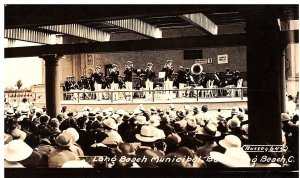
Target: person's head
[
  {"x": 44, "y": 119},
  {"x": 204, "y": 108},
  {"x": 54, "y": 123},
  {"x": 24, "y": 100},
  {"x": 129, "y": 64},
  {"x": 227, "y": 69},
  {"x": 181, "y": 68},
  {"x": 149, "y": 65},
  {"x": 290, "y": 98}
]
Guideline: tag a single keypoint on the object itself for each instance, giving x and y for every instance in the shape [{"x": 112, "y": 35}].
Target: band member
[
  {"x": 129, "y": 70},
  {"x": 236, "y": 77},
  {"x": 114, "y": 75},
  {"x": 91, "y": 83},
  {"x": 97, "y": 76},
  {"x": 168, "y": 69},
  {"x": 189, "y": 82},
  {"x": 83, "y": 85},
  {"x": 149, "y": 78},
  {"x": 181, "y": 81}
]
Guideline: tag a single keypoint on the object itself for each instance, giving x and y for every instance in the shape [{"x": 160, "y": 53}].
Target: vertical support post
[
  {"x": 264, "y": 58},
  {"x": 52, "y": 84}
]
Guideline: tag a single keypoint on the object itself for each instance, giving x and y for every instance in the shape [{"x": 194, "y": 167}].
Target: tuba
[{"x": 196, "y": 69}]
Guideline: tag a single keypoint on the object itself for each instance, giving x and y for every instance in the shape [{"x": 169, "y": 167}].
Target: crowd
[{"x": 192, "y": 136}]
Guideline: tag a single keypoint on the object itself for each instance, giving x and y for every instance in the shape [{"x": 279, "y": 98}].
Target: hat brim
[
  {"x": 25, "y": 153},
  {"x": 201, "y": 131},
  {"x": 224, "y": 145},
  {"x": 145, "y": 139}
]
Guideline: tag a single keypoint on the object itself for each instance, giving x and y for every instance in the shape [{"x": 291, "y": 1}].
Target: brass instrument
[{"x": 196, "y": 69}]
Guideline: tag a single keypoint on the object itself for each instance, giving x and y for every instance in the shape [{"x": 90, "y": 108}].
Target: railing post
[
  {"x": 112, "y": 97},
  {"x": 242, "y": 93},
  {"x": 153, "y": 96},
  {"x": 197, "y": 94},
  {"x": 78, "y": 95}
]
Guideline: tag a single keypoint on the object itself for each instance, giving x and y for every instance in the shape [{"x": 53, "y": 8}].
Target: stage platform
[{"x": 213, "y": 103}]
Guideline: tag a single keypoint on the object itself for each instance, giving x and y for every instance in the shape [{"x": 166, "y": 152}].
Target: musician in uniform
[
  {"x": 203, "y": 82},
  {"x": 168, "y": 84},
  {"x": 236, "y": 77},
  {"x": 217, "y": 83},
  {"x": 149, "y": 78},
  {"x": 129, "y": 70},
  {"x": 83, "y": 85},
  {"x": 181, "y": 81},
  {"x": 68, "y": 85},
  {"x": 97, "y": 77},
  {"x": 114, "y": 75},
  {"x": 189, "y": 82}
]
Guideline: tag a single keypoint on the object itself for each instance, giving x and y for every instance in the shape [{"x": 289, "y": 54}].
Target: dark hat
[
  {"x": 70, "y": 114},
  {"x": 209, "y": 130},
  {"x": 64, "y": 139},
  {"x": 92, "y": 114},
  {"x": 180, "y": 114}
]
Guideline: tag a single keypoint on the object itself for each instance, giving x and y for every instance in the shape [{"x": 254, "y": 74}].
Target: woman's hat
[
  {"x": 230, "y": 141},
  {"x": 209, "y": 130},
  {"x": 233, "y": 157},
  {"x": 111, "y": 123},
  {"x": 147, "y": 134},
  {"x": 64, "y": 139},
  {"x": 285, "y": 117},
  {"x": 17, "y": 150}
]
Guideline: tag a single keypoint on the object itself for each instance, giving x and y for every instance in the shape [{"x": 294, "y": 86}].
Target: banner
[{"x": 223, "y": 59}]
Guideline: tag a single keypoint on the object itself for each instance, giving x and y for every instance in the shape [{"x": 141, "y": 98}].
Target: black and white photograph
[{"x": 135, "y": 90}]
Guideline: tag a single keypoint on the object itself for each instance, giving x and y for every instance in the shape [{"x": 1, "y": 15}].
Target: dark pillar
[
  {"x": 264, "y": 73},
  {"x": 52, "y": 84}
]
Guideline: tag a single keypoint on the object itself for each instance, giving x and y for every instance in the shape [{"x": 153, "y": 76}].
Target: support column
[
  {"x": 52, "y": 84},
  {"x": 264, "y": 73}
]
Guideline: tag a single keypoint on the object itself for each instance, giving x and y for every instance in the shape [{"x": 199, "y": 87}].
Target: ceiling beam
[
  {"x": 32, "y": 36},
  {"x": 138, "y": 26},
  {"x": 199, "y": 20},
  {"x": 79, "y": 31},
  {"x": 131, "y": 45},
  {"x": 40, "y": 15}
]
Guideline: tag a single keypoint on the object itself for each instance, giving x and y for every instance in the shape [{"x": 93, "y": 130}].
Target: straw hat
[
  {"x": 180, "y": 114},
  {"x": 111, "y": 123},
  {"x": 121, "y": 112},
  {"x": 147, "y": 134},
  {"x": 64, "y": 139},
  {"x": 10, "y": 113},
  {"x": 141, "y": 120},
  {"x": 73, "y": 133},
  {"x": 137, "y": 111},
  {"x": 154, "y": 120},
  {"x": 234, "y": 123},
  {"x": 233, "y": 157},
  {"x": 230, "y": 141},
  {"x": 17, "y": 150},
  {"x": 209, "y": 130}
]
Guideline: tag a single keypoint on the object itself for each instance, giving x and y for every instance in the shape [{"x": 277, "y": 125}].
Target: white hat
[
  {"x": 230, "y": 141},
  {"x": 154, "y": 120},
  {"x": 171, "y": 106},
  {"x": 137, "y": 111},
  {"x": 233, "y": 157},
  {"x": 245, "y": 128},
  {"x": 141, "y": 107},
  {"x": 76, "y": 164},
  {"x": 111, "y": 123},
  {"x": 141, "y": 120},
  {"x": 16, "y": 150},
  {"x": 73, "y": 133},
  {"x": 187, "y": 107},
  {"x": 147, "y": 134},
  {"x": 121, "y": 112},
  {"x": 233, "y": 123}
]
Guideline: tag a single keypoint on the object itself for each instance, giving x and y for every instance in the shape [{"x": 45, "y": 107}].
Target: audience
[{"x": 193, "y": 136}]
